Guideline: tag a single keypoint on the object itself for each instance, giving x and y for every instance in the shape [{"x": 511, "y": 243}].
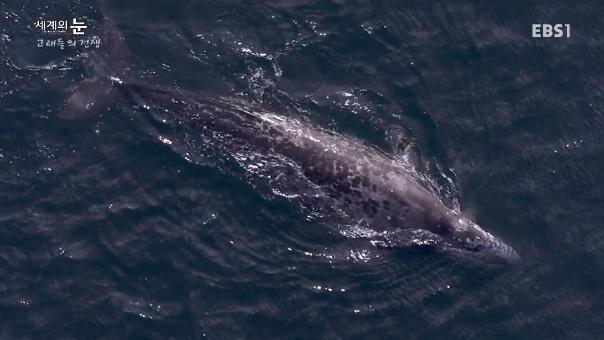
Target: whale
[{"x": 365, "y": 182}]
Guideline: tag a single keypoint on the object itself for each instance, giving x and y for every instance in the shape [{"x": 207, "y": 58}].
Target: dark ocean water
[{"x": 108, "y": 231}]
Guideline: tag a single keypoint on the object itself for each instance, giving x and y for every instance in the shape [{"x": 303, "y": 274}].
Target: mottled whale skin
[{"x": 365, "y": 182}]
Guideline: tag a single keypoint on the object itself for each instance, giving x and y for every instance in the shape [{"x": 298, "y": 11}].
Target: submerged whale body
[{"x": 364, "y": 182}]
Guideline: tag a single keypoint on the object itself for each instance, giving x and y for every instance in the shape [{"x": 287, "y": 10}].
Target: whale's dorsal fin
[
  {"x": 409, "y": 154},
  {"x": 404, "y": 148}
]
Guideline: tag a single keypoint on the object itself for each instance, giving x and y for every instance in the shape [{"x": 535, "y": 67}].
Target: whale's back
[{"x": 362, "y": 181}]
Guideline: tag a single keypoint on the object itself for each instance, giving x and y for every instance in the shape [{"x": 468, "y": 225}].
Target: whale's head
[{"x": 465, "y": 238}]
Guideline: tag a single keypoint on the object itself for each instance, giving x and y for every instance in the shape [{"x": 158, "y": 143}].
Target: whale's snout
[{"x": 465, "y": 236}]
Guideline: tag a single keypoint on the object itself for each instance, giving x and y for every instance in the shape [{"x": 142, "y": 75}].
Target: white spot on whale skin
[
  {"x": 165, "y": 140},
  {"x": 314, "y": 139},
  {"x": 116, "y": 79}
]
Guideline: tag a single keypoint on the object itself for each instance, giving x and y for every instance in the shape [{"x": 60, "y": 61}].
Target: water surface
[{"x": 107, "y": 231}]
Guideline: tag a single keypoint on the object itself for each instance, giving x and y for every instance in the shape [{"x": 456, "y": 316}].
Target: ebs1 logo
[{"x": 551, "y": 31}]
